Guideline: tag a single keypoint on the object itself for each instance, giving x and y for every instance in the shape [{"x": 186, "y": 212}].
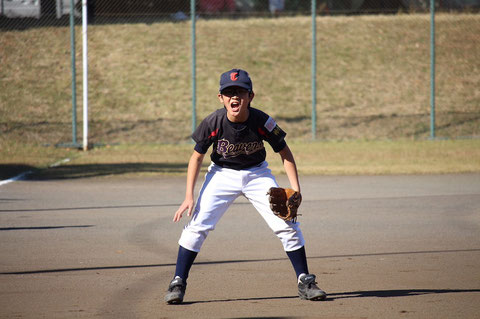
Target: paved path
[{"x": 382, "y": 247}]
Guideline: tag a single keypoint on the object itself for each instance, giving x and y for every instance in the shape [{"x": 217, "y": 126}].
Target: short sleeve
[
  {"x": 274, "y": 135},
  {"x": 205, "y": 134},
  {"x": 202, "y": 148}
]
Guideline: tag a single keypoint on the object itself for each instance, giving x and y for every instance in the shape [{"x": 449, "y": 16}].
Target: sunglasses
[{"x": 234, "y": 92}]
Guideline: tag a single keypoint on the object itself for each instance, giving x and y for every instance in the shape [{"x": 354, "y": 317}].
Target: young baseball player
[{"x": 237, "y": 132}]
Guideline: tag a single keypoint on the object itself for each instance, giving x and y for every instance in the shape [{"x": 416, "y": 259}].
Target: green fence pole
[
  {"x": 194, "y": 66},
  {"x": 432, "y": 69},
  {"x": 74, "y": 73},
  {"x": 314, "y": 69}
]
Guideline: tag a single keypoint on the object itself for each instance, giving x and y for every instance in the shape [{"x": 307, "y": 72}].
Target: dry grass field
[{"x": 372, "y": 85}]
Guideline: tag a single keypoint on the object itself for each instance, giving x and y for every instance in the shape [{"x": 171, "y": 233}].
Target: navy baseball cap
[{"x": 236, "y": 77}]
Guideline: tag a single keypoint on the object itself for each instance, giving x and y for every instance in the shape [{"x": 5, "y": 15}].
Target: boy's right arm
[{"x": 192, "y": 174}]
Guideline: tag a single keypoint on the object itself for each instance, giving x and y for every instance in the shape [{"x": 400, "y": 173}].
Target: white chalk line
[
  {"x": 16, "y": 178},
  {"x": 23, "y": 175},
  {"x": 65, "y": 160}
]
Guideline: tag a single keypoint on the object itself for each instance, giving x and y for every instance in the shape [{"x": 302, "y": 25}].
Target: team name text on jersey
[{"x": 227, "y": 149}]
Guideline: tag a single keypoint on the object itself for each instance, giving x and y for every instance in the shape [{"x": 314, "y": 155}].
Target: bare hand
[{"x": 186, "y": 205}]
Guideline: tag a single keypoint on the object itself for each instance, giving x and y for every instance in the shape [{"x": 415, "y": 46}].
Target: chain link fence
[{"x": 372, "y": 72}]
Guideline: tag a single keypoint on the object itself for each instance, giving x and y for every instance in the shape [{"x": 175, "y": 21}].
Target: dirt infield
[{"x": 382, "y": 247}]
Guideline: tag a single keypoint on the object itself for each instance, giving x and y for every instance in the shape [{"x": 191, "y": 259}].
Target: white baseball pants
[{"x": 221, "y": 187}]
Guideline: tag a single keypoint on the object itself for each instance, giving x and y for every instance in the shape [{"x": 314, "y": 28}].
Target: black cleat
[
  {"x": 308, "y": 289},
  {"x": 176, "y": 291}
]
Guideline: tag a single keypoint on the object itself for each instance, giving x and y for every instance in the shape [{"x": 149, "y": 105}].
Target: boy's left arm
[{"x": 290, "y": 168}]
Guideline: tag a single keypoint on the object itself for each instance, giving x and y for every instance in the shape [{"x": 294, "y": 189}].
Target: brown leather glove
[{"x": 284, "y": 202}]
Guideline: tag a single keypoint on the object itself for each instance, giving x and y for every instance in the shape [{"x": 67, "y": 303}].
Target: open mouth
[{"x": 235, "y": 106}]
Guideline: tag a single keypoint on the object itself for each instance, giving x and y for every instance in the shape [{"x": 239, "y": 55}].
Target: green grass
[
  {"x": 372, "y": 85},
  {"x": 325, "y": 158},
  {"x": 386, "y": 157},
  {"x": 372, "y": 76}
]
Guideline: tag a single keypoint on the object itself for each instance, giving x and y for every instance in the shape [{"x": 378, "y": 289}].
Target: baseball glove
[{"x": 284, "y": 202}]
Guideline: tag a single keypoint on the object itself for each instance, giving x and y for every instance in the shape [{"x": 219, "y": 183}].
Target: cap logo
[{"x": 234, "y": 76}]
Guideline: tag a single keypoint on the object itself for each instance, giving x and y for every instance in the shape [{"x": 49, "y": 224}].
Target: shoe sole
[
  {"x": 173, "y": 299},
  {"x": 319, "y": 298},
  {"x": 316, "y": 298}
]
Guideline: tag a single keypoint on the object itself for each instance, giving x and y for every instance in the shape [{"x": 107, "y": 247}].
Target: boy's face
[{"x": 236, "y": 100}]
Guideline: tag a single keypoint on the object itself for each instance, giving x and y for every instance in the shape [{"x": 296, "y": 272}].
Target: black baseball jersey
[{"x": 238, "y": 145}]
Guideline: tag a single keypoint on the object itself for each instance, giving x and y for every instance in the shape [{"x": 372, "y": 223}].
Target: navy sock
[
  {"x": 299, "y": 260},
  {"x": 185, "y": 261}
]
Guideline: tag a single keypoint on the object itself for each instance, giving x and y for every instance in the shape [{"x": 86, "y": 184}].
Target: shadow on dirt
[
  {"x": 11, "y": 170},
  {"x": 89, "y": 170},
  {"x": 234, "y": 261},
  {"x": 353, "y": 294},
  {"x": 44, "y": 227},
  {"x": 395, "y": 293}
]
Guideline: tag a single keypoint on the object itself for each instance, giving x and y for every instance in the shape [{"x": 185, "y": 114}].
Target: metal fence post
[
  {"x": 432, "y": 69},
  {"x": 194, "y": 66},
  {"x": 74, "y": 73},
  {"x": 85, "y": 74},
  {"x": 314, "y": 69}
]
